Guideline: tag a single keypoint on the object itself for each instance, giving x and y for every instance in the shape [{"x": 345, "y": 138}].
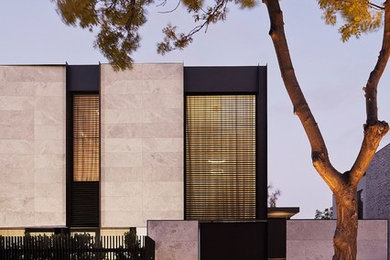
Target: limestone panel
[
  {"x": 32, "y": 146},
  {"x": 163, "y": 100},
  {"x": 123, "y": 145},
  {"x": 122, "y": 159},
  {"x": 12, "y": 176},
  {"x": 123, "y": 202},
  {"x": 162, "y": 196},
  {"x": 162, "y": 145},
  {"x": 172, "y": 174},
  {"x": 122, "y": 218},
  {"x": 123, "y": 189},
  {"x": 142, "y": 144},
  {"x": 16, "y": 146},
  {"x": 115, "y": 174},
  {"x": 174, "y": 240}
]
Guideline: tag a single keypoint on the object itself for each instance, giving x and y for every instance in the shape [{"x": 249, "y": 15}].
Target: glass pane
[
  {"x": 221, "y": 157},
  {"x": 86, "y": 137}
]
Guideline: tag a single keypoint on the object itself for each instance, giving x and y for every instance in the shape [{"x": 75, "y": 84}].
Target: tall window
[
  {"x": 86, "y": 137},
  {"x": 221, "y": 157}
]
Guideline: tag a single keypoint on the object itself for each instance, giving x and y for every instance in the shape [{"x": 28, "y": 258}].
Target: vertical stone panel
[
  {"x": 142, "y": 144},
  {"x": 32, "y": 146},
  {"x": 175, "y": 240}
]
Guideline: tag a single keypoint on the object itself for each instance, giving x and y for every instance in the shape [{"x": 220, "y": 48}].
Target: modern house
[
  {"x": 180, "y": 153},
  {"x": 86, "y": 148}
]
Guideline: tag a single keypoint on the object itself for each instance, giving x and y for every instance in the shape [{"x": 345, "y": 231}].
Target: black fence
[{"x": 76, "y": 247}]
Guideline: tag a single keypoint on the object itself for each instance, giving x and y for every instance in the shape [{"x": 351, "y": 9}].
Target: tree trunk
[
  {"x": 345, "y": 237},
  {"x": 343, "y": 186}
]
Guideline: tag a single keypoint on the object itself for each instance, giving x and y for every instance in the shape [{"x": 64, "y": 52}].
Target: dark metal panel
[
  {"x": 100, "y": 144},
  {"x": 82, "y": 78},
  {"x": 84, "y": 204},
  {"x": 261, "y": 144},
  {"x": 184, "y": 153},
  {"x": 221, "y": 79},
  {"x": 277, "y": 238},
  {"x": 69, "y": 155},
  {"x": 232, "y": 241},
  {"x": 150, "y": 248}
]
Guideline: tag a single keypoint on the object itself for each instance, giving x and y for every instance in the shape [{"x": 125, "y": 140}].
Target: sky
[{"x": 331, "y": 73}]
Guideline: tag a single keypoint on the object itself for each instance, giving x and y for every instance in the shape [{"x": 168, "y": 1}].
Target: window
[
  {"x": 221, "y": 157},
  {"x": 360, "y": 204},
  {"x": 86, "y": 136}
]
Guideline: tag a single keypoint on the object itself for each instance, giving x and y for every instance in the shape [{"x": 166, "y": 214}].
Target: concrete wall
[
  {"x": 312, "y": 239},
  {"x": 32, "y": 146},
  {"x": 142, "y": 144},
  {"x": 175, "y": 240}
]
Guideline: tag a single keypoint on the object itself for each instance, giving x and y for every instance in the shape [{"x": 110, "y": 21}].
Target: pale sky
[{"x": 331, "y": 74}]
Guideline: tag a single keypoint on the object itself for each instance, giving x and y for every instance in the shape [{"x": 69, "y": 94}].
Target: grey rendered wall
[
  {"x": 142, "y": 144},
  {"x": 32, "y": 146},
  {"x": 312, "y": 239},
  {"x": 377, "y": 191},
  {"x": 175, "y": 240}
]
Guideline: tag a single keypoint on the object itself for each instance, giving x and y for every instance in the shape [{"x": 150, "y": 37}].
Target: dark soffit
[{"x": 243, "y": 79}]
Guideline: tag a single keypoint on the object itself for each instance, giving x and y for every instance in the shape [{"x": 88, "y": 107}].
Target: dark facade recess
[
  {"x": 82, "y": 78},
  {"x": 277, "y": 238},
  {"x": 212, "y": 83},
  {"x": 83, "y": 146},
  {"x": 222, "y": 79},
  {"x": 233, "y": 241},
  {"x": 85, "y": 204}
]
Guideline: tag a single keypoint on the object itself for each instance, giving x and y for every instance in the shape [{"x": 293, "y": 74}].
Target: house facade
[
  {"x": 180, "y": 153},
  {"x": 84, "y": 146}
]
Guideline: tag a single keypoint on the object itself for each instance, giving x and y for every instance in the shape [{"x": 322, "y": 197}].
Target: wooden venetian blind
[
  {"x": 86, "y": 137},
  {"x": 221, "y": 157}
]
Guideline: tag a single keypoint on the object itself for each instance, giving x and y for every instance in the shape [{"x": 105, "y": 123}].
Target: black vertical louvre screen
[
  {"x": 86, "y": 137},
  {"x": 221, "y": 157}
]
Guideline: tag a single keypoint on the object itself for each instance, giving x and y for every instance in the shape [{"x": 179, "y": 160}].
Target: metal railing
[{"x": 76, "y": 247}]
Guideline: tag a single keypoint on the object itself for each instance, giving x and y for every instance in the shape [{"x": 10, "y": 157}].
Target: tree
[
  {"x": 273, "y": 196},
  {"x": 326, "y": 214},
  {"x": 118, "y": 22}
]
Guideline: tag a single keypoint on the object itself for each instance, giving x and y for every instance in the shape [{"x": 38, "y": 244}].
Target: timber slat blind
[
  {"x": 86, "y": 137},
  {"x": 221, "y": 157}
]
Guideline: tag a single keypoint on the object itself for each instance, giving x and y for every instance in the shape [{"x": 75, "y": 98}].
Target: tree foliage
[
  {"x": 273, "y": 196},
  {"x": 359, "y": 16},
  {"x": 326, "y": 214},
  {"x": 118, "y": 21}
]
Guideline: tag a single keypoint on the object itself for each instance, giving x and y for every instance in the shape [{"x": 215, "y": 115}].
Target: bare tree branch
[
  {"x": 373, "y": 80},
  {"x": 374, "y": 129},
  {"x": 320, "y": 156},
  {"x": 170, "y": 11},
  {"x": 372, "y": 5}
]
